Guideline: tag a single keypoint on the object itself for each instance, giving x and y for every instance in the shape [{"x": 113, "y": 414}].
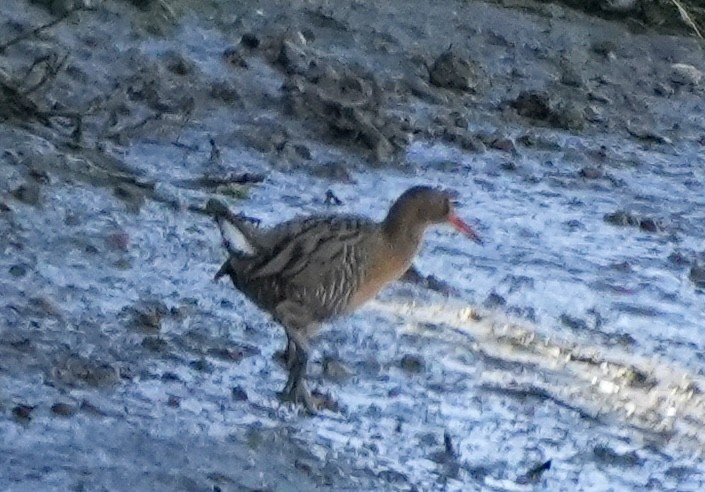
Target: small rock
[
  {"x": 504, "y": 144},
  {"x": 250, "y": 40},
  {"x": 72, "y": 219},
  {"x": 233, "y": 57},
  {"x": 684, "y": 74},
  {"x": 91, "y": 409},
  {"x": 663, "y": 90},
  {"x": 591, "y": 172},
  {"x": 413, "y": 276},
  {"x": 649, "y": 225},
  {"x": 64, "y": 409},
  {"x": 371, "y": 366},
  {"x": 224, "y": 91},
  {"x": 23, "y": 412},
  {"x": 533, "y": 476},
  {"x": 393, "y": 393},
  {"x": 637, "y": 378},
  {"x": 79, "y": 371},
  {"x": 173, "y": 401},
  {"x": 697, "y": 275},
  {"x": 201, "y": 365},
  {"x": 169, "y": 376},
  {"x": 604, "y": 48},
  {"x": 510, "y": 166},
  {"x": 412, "y": 364},
  {"x": 494, "y": 300},
  {"x": 18, "y": 270},
  {"x": 178, "y": 64},
  {"x": 147, "y": 314},
  {"x": 570, "y": 76},
  {"x": 574, "y": 323},
  {"x": 119, "y": 241},
  {"x": 461, "y": 122},
  {"x": 610, "y": 457},
  {"x": 622, "y": 218},
  {"x": 568, "y": 116},
  {"x": 450, "y": 71},
  {"x": 535, "y": 105},
  {"x": 29, "y": 193},
  {"x": 239, "y": 394},
  {"x": 593, "y": 114},
  {"x": 335, "y": 370},
  {"x": 155, "y": 344},
  {"x": 538, "y": 142},
  {"x": 39, "y": 175},
  {"x": 122, "y": 264},
  {"x": 303, "y": 151}
]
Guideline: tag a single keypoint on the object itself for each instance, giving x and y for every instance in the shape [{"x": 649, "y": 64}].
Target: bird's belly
[{"x": 369, "y": 289}]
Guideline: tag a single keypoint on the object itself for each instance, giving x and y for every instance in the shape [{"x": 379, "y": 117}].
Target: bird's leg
[
  {"x": 288, "y": 354},
  {"x": 295, "y": 319},
  {"x": 295, "y": 389}
]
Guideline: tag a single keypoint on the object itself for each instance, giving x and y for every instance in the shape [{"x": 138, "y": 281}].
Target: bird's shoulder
[
  {"x": 300, "y": 244},
  {"x": 318, "y": 226}
]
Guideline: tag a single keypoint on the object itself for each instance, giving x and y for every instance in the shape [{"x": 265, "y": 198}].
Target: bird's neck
[{"x": 403, "y": 235}]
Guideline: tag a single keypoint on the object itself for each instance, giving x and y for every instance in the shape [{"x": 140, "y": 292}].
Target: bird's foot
[
  {"x": 297, "y": 393},
  {"x": 312, "y": 402}
]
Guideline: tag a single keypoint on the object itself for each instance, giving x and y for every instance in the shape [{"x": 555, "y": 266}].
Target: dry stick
[
  {"x": 135, "y": 126},
  {"x": 43, "y": 27},
  {"x": 687, "y": 18},
  {"x": 51, "y": 72}
]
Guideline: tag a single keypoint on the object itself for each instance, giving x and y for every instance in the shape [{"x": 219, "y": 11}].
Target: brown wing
[{"x": 320, "y": 264}]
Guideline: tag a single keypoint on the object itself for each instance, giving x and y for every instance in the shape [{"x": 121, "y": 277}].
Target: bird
[{"x": 311, "y": 270}]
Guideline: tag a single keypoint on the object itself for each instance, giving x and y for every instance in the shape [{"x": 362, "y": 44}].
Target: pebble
[
  {"x": 23, "y": 412},
  {"x": 684, "y": 74},
  {"x": 412, "y": 363},
  {"x": 64, "y": 409},
  {"x": 29, "y": 193}
]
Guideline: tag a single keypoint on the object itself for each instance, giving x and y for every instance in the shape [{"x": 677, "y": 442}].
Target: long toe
[{"x": 298, "y": 393}]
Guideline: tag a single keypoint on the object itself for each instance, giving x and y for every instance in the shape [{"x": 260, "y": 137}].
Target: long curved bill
[{"x": 463, "y": 228}]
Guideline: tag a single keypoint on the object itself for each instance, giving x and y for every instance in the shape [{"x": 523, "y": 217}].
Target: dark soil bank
[{"x": 567, "y": 354}]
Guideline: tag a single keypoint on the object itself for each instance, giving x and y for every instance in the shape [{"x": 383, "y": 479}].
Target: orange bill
[{"x": 464, "y": 228}]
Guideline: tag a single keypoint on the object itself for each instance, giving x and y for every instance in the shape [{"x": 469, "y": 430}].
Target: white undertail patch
[{"x": 233, "y": 238}]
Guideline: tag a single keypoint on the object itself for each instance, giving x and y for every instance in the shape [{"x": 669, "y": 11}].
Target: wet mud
[{"x": 565, "y": 354}]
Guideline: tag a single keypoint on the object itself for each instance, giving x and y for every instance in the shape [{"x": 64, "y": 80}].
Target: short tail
[
  {"x": 224, "y": 270},
  {"x": 233, "y": 230}
]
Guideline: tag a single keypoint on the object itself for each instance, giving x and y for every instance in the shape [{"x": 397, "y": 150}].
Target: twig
[
  {"x": 52, "y": 70},
  {"x": 687, "y": 18},
  {"x": 135, "y": 126},
  {"x": 43, "y": 27}
]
